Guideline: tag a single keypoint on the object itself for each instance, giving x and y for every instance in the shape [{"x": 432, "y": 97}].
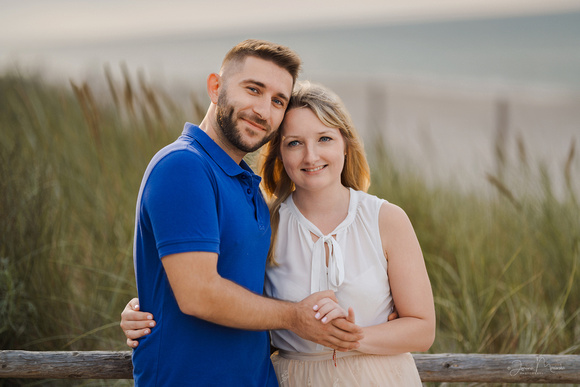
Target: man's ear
[{"x": 214, "y": 82}]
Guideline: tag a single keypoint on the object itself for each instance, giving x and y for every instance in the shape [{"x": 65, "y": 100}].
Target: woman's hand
[
  {"x": 328, "y": 310},
  {"x": 135, "y": 324}
]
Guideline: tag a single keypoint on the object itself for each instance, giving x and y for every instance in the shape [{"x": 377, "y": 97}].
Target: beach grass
[{"x": 503, "y": 264}]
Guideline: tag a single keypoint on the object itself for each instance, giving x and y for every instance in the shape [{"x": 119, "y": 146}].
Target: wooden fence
[{"x": 449, "y": 367}]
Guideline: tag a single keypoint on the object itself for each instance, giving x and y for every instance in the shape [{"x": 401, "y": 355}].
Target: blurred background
[
  {"x": 470, "y": 113},
  {"x": 438, "y": 79}
]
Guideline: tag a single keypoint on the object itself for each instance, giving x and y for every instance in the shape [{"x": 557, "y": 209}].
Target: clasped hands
[
  {"x": 332, "y": 325},
  {"x": 318, "y": 318},
  {"x": 328, "y": 310}
]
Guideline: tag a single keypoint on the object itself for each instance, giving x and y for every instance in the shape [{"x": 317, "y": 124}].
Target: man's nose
[{"x": 262, "y": 107}]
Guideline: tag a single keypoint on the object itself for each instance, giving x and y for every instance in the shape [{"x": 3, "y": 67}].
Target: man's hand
[{"x": 342, "y": 335}]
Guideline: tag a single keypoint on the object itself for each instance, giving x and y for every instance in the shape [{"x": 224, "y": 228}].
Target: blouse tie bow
[{"x": 325, "y": 277}]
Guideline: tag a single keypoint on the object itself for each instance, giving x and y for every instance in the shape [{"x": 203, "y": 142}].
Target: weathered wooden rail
[{"x": 449, "y": 367}]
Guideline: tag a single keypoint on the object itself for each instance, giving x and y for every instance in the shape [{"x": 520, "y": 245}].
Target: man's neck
[{"x": 209, "y": 126}]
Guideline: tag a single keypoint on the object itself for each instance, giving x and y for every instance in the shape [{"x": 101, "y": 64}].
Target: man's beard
[{"x": 227, "y": 124}]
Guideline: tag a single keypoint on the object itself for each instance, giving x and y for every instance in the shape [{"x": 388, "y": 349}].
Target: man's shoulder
[
  {"x": 177, "y": 163},
  {"x": 181, "y": 154}
]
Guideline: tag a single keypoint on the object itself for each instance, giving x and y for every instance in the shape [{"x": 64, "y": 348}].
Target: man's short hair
[{"x": 280, "y": 55}]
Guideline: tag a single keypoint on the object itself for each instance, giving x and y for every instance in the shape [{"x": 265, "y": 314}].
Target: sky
[
  {"x": 30, "y": 24},
  {"x": 455, "y": 39}
]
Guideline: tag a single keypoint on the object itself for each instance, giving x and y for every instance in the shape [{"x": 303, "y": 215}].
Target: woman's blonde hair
[{"x": 330, "y": 110}]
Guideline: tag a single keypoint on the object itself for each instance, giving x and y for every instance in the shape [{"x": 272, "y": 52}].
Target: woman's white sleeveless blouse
[{"x": 357, "y": 267}]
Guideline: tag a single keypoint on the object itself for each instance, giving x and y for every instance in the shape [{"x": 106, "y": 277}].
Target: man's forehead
[{"x": 257, "y": 69}]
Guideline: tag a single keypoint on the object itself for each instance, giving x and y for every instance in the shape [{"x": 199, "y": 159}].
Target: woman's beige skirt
[{"x": 352, "y": 369}]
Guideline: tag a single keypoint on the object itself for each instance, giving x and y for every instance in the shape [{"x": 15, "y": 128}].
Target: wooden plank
[
  {"x": 455, "y": 367},
  {"x": 66, "y": 365},
  {"x": 432, "y": 367}
]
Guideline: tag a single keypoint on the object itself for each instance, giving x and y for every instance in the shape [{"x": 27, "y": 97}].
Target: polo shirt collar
[{"x": 221, "y": 158}]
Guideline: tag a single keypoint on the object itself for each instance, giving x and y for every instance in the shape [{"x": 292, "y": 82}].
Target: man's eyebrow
[
  {"x": 284, "y": 97},
  {"x": 253, "y": 81},
  {"x": 263, "y": 85}
]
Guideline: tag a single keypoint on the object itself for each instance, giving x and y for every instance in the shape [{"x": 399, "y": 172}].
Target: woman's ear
[{"x": 214, "y": 82}]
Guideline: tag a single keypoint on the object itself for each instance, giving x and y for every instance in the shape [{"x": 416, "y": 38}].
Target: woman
[{"x": 328, "y": 233}]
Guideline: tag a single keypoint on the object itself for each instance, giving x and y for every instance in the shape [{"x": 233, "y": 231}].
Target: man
[{"x": 202, "y": 235}]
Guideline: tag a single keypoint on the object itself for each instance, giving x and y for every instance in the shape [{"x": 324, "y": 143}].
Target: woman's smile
[{"x": 316, "y": 169}]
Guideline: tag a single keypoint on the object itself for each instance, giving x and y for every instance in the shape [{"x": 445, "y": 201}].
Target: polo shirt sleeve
[{"x": 179, "y": 200}]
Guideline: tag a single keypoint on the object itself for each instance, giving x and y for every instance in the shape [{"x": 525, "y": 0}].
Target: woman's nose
[{"x": 311, "y": 153}]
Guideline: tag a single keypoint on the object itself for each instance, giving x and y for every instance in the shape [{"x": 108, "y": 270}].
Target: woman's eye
[
  {"x": 293, "y": 143},
  {"x": 325, "y": 138}
]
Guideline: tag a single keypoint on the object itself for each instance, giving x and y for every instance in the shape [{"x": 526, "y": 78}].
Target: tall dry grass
[
  {"x": 71, "y": 161},
  {"x": 503, "y": 267}
]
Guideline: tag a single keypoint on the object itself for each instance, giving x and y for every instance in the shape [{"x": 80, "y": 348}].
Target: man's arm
[{"x": 201, "y": 292}]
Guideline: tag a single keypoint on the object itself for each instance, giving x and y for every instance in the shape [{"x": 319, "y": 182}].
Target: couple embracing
[{"x": 302, "y": 259}]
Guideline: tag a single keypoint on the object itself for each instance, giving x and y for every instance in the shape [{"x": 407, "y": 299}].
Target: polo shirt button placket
[{"x": 245, "y": 182}]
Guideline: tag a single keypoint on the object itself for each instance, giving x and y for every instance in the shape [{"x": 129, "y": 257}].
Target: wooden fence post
[{"x": 446, "y": 367}]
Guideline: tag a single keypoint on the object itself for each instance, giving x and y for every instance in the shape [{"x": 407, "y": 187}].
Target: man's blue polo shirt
[{"x": 194, "y": 197}]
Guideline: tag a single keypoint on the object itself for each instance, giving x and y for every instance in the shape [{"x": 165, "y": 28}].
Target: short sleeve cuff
[{"x": 189, "y": 246}]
